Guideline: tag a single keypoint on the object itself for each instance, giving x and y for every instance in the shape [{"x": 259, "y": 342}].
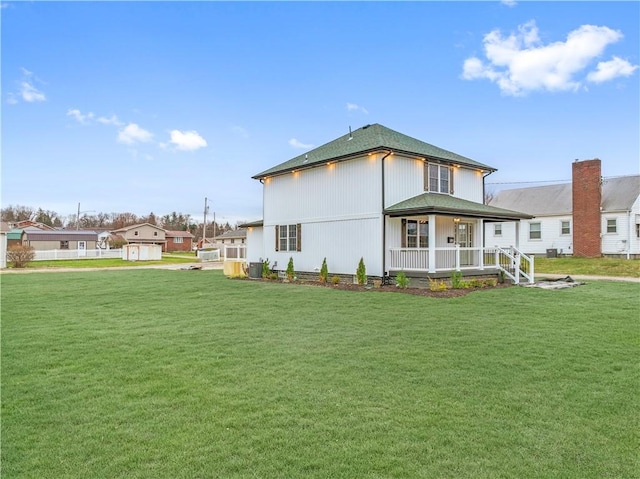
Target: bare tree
[{"x": 14, "y": 213}]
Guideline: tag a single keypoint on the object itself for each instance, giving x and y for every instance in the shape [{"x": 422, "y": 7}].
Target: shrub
[
  {"x": 361, "y": 272},
  {"x": 324, "y": 271},
  {"x": 20, "y": 256},
  {"x": 290, "y": 269},
  {"x": 335, "y": 279},
  {"x": 456, "y": 280},
  {"x": 491, "y": 282},
  {"x": 265, "y": 268},
  {"x": 401, "y": 280},
  {"x": 273, "y": 276},
  {"x": 435, "y": 285}
]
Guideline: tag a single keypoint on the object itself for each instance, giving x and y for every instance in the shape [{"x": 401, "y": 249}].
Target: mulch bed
[{"x": 448, "y": 293}]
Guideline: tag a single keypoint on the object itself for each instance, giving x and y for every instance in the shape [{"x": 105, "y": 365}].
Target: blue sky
[{"x": 152, "y": 106}]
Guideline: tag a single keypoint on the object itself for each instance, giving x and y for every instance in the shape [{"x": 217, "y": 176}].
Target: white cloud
[
  {"x": 132, "y": 133},
  {"x": 298, "y": 144},
  {"x": 79, "y": 117},
  {"x": 354, "y": 107},
  {"x": 27, "y": 90},
  {"x": 612, "y": 69},
  {"x": 187, "y": 140},
  {"x": 112, "y": 120},
  {"x": 520, "y": 63},
  {"x": 509, "y": 3},
  {"x": 30, "y": 93}
]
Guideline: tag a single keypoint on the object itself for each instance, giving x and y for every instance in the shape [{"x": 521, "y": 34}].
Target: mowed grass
[
  {"x": 588, "y": 266},
  {"x": 187, "y": 374},
  {"x": 110, "y": 262}
]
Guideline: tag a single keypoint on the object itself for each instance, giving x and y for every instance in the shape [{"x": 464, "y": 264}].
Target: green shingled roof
[
  {"x": 433, "y": 203},
  {"x": 367, "y": 139}
]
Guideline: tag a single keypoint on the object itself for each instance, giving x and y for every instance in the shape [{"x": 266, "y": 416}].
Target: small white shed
[{"x": 141, "y": 252}]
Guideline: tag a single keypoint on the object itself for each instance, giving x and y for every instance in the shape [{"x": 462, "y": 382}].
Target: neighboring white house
[
  {"x": 551, "y": 231},
  {"x": 4, "y": 229},
  {"x": 376, "y": 194}
]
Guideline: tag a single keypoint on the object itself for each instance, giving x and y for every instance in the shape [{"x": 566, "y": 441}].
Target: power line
[{"x": 546, "y": 181}]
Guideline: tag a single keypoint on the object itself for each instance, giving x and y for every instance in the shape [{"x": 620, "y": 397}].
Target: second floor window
[{"x": 438, "y": 178}]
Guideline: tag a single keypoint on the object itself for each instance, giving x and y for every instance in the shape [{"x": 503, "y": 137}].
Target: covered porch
[{"x": 437, "y": 234}]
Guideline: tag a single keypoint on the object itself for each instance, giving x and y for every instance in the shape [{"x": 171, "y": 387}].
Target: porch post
[
  {"x": 481, "y": 233},
  {"x": 432, "y": 244},
  {"x": 518, "y": 234}
]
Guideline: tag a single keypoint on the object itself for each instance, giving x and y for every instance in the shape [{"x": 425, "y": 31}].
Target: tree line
[{"x": 111, "y": 221}]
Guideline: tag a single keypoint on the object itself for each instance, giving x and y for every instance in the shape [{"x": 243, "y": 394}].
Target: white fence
[
  {"x": 209, "y": 255},
  {"x": 77, "y": 254}
]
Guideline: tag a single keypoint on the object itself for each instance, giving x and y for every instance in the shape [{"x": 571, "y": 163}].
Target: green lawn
[
  {"x": 588, "y": 266},
  {"x": 111, "y": 262},
  {"x": 186, "y": 374}
]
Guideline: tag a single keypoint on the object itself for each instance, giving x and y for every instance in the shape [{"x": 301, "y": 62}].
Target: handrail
[{"x": 513, "y": 265}]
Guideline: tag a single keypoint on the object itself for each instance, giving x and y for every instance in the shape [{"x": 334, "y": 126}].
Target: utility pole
[
  {"x": 214, "y": 224},
  {"x": 78, "y": 218},
  {"x": 204, "y": 225}
]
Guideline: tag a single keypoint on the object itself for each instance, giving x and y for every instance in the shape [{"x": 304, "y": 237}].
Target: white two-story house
[{"x": 398, "y": 203}]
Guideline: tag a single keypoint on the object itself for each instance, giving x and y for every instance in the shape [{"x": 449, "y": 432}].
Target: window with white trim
[
  {"x": 437, "y": 178},
  {"x": 417, "y": 234},
  {"x": 288, "y": 237},
  {"x": 565, "y": 227},
  {"x": 535, "y": 231},
  {"x": 178, "y": 239},
  {"x": 497, "y": 229},
  {"x": 612, "y": 225}
]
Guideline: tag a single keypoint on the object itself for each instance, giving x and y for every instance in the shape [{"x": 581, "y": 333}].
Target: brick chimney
[{"x": 587, "y": 199}]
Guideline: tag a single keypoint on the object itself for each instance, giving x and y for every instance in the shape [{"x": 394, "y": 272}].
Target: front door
[{"x": 464, "y": 237}]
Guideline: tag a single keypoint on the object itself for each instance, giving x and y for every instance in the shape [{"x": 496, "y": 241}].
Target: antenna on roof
[{"x": 350, "y": 135}]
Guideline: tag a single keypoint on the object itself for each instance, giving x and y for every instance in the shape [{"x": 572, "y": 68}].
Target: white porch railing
[
  {"x": 235, "y": 252},
  {"x": 515, "y": 264},
  {"x": 77, "y": 254}
]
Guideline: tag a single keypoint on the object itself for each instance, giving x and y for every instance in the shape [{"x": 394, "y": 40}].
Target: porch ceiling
[{"x": 433, "y": 203}]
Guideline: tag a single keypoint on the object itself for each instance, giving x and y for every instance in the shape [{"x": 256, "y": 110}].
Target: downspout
[
  {"x": 384, "y": 221},
  {"x": 484, "y": 225},
  {"x": 629, "y": 234}
]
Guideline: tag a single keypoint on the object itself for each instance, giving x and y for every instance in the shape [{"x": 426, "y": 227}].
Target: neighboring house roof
[
  {"x": 430, "y": 203},
  {"x": 367, "y": 139},
  {"x": 618, "y": 194},
  {"x": 27, "y": 223},
  {"x": 537, "y": 200},
  {"x": 61, "y": 235},
  {"x": 252, "y": 224},
  {"x": 178, "y": 234},
  {"x": 232, "y": 234},
  {"x": 15, "y": 234},
  {"x": 127, "y": 228},
  {"x": 4, "y": 227}
]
